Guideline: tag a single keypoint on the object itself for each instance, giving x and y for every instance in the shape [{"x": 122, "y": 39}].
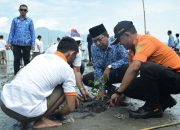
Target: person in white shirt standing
[
  {"x": 3, "y": 46},
  {"x": 177, "y": 43},
  {"x": 38, "y": 46},
  {"x": 41, "y": 87},
  {"x": 58, "y": 39}
]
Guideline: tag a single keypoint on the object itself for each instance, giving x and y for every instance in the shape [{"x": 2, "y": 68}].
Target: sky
[{"x": 161, "y": 15}]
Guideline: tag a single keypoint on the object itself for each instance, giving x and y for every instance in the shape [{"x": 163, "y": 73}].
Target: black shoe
[
  {"x": 138, "y": 110},
  {"x": 146, "y": 112},
  {"x": 170, "y": 102}
]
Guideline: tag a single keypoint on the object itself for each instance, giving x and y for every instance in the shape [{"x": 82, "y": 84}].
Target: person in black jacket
[{"x": 89, "y": 41}]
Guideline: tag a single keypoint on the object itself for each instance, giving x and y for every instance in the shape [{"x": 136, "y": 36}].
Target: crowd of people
[{"x": 147, "y": 69}]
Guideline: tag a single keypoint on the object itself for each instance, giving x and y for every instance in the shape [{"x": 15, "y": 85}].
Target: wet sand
[{"x": 106, "y": 120}]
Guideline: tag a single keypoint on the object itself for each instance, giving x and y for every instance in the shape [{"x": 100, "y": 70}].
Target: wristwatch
[{"x": 109, "y": 66}]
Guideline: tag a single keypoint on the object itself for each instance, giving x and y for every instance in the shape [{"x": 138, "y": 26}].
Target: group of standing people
[
  {"x": 173, "y": 43},
  {"x": 147, "y": 69}
]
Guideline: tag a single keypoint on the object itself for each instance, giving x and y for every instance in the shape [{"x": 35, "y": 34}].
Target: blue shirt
[
  {"x": 22, "y": 32},
  {"x": 115, "y": 55},
  {"x": 171, "y": 41}
]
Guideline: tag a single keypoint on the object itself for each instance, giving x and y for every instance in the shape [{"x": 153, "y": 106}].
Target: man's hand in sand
[
  {"x": 115, "y": 99},
  {"x": 85, "y": 95}
]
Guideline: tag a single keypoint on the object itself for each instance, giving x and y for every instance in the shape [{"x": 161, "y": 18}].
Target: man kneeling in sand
[{"x": 41, "y": 87}]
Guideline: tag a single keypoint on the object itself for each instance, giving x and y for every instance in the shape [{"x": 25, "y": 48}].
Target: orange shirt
[{"x": 149, "y": 48}]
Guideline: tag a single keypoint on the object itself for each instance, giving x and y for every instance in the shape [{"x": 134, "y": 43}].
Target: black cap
[
  {"x": 97, "y": 30},
  {"x": 121, "y": 28}
]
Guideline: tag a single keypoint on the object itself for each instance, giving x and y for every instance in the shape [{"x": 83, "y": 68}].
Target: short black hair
[
  {"x": 78, "y": 42},
  {"x": 177, "y": 34},
  {"x": 169, "y": 32},
  {"x": 1, "y": 36},
  {"x": 39, "y": 36},
  {"x": 23, "y": 5},
  {"x": 67, "y": 44}
]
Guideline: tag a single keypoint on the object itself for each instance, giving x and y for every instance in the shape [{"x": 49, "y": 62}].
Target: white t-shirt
[
  {"x": 40, "y": 44},
  {"x": 77, "y": 61},
  {"x": 42, "y": 47},
  {"x": 2, "y": 45},
  {"x": 28, "y": 91},
  {"x": 177, "y": 43}
]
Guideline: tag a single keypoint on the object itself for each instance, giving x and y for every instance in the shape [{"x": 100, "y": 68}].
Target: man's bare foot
[{"x": 46, "y": 123}]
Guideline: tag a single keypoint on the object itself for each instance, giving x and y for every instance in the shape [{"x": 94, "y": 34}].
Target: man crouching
[{"x": 41, "y": 87}]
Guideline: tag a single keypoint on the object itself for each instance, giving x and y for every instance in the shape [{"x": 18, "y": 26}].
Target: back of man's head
[
  {"x": 39, "y": 36},
  {"x": 1, "y": 37},
  {"x": 58, "y": 39},
  {"x": 177, "y": 34},
  {"x": 67, "y": 44},
  {"x": 169, "y": 32}
]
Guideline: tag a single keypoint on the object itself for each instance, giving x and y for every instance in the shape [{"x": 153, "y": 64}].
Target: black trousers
[
  {"x": 155, "y": 84},
  {"x": 35, "y": 54},
  {"x": 116, "y": 76},
  {"x": 20, "y": 52},
  {"x": 82, "y": 68},
  {"x": 89, "y": 52}
]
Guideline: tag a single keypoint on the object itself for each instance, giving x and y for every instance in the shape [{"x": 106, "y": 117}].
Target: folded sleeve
[{"x": 69, "y": 84}]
